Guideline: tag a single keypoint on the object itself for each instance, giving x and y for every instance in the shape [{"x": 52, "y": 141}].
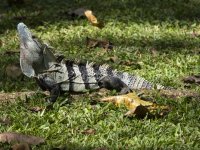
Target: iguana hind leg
[{"x": 112, "y": 83}]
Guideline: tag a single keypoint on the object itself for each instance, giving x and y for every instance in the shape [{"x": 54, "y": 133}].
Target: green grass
[{"x": 135, "y": 28}]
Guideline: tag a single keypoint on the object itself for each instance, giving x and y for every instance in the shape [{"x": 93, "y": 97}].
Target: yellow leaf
[
  {"x": 130, "y": 100},
  {"x": 135, "y": 105},
  {"x": 93, "y": 19}
]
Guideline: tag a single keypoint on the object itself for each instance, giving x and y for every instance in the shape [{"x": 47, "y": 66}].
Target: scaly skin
[{"x": 37, "y": 60}]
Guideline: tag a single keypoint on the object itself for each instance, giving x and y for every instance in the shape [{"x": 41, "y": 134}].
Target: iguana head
[{"x": 35, "y": 57}]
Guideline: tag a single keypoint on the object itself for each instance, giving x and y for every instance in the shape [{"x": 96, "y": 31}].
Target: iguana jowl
[{"x": 37, "y": 60}]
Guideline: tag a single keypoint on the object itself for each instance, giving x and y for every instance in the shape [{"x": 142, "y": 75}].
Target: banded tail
[{"x": 132, "y": 81}]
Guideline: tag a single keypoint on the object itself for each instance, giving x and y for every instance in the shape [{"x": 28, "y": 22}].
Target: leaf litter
[
  {"x": 21, "y": 146},
  {"x": 194, "y": 79},
  {"x": 93, "y": 43},
  {"x": 137, "y": 106},
  {"x": 10, "y": 137},
  {"x": 84, "y": 12}
]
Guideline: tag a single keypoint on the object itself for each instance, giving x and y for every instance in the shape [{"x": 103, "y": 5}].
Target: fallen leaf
[
  {"x": 35, "y": 109},
  {"x": 114, "y": 59},
  {"x": 135, "y": 65},
  {"x": 13, "y": 71},
  {"x": 135, "y": 105},
  {"x": 127, "y": 63},
  {"x": 21, "y": 138},
  {"x": 139, "y": 111},
  {"x": 93, "y": 43},
  {"x": 89, "y": 131},
  {"x": 195, "y": 79},
  {"x": 91, "y": 17},
  {"x": 194, "y": 34},
  {"x": 154, "y": 52},
  {"x": 11, "y": 97},
  {"x": 93, "y": 20},
  {"x": 5, "y": 121},
  {"x": 81, "y": 12},
  {"x": 172, "y": 93},
  {"x": 21, "y": 146},
  {"x": 131, "y": 100},
  {"x": 175, "y": 94}
]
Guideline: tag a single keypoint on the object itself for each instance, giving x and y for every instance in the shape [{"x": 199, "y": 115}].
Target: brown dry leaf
[
  {"x": 114, "y": 59},
  {"x": 175, "y": 94},
  {"x": 21, "y": 146},
  {"x": 35, "y": 109},
  {"x": 139, "y": 111},
  {"x": 21, "y": 138},
  {"x": 154, "y": 52},
  {"x": 127, "y": 63},
  {"x": 131, "y": 100},
  {"x": 135, "y": 65},
  {"x": 5, "y": 121},
  {"x": 93, "y": 20},
  {"x": 93, "y": 43},
  {"x": 194, "y": 34},
  {"x": 172, "y": 93},
  {"x": 89, "y": 131},
  {"x": 103, "y": 91},
  {"x": 13, "y": 71},
  {"x": 135, "y": 105},
  {"x": 194, "y": 79},
  {"x": 11, "y": 97}
]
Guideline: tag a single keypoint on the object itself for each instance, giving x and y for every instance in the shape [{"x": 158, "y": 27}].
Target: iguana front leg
[
  {"x": 54, "y": 93},
  {"x": 114, "y": 83},
  {"x": 53, "y": 89}
]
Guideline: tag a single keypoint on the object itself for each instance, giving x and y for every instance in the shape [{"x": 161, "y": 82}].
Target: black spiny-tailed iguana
[{"x": 37, "y": 60}]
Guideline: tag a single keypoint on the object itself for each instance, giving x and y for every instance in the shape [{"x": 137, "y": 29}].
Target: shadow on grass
[{"x": 37, "y": 12}]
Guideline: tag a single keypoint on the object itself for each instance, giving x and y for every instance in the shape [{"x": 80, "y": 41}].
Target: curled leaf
[
  {"x": 21, "y": 138},
  {"x": 93, "y": 20},
  {"x": 5, "y": 121},
  {"x": 179, "y": 93},
  {"x": 195, "y": 79},
  {"x": 13, "y": 71},
  {"x": 154, "y": 52},
  {"x": 35, "y": 109},
  {"x": 130, "y": 100},
  {"x": 136, "y": 106},
  {"x": 11, "y": 97},
  {"x": 89, "y": 131},
  {"x": 93, "y": 43},
  {"x": 140, "y": 111},
  {"x": 21, "y": 146}
]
